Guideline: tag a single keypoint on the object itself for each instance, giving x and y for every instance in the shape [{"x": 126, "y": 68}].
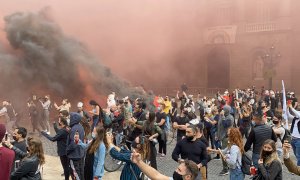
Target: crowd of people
[{"x": 227, "y": 126}]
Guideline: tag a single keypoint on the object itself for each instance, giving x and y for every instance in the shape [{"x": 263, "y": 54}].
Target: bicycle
[{"x": 111, "y": 164}]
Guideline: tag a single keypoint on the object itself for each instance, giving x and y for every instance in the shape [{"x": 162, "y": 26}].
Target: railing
[
  {"x": 171, "y": 91},
  {"x": 260, "y": 27}
]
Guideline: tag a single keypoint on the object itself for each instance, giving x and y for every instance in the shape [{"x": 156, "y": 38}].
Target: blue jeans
[
  {"x": 255, "y": 158},
  {"x": 296, "y": 148},
  {"x": 95, "y": 122},
  {"x": 236, "y": 174}
]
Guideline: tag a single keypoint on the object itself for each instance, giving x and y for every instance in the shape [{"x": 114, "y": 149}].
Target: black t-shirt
[
  {"x": 183, "y": 101},
  {"x": 159, "y": 117},
  {"x": 181, "y": 121},
  {"x": 294, "y": 100},
  {"x": 20, "y": 145}
]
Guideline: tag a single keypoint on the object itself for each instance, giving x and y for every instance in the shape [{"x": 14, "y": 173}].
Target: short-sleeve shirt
[
  {"x": 181, "y": 121},
  {"x": 159, "y": 117}
]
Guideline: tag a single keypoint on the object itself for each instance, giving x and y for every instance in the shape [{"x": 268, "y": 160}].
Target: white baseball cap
[{"x": 80, "y": 105}]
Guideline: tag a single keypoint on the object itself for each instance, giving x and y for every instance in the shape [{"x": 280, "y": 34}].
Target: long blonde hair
[{"x": 273, "y": 156}]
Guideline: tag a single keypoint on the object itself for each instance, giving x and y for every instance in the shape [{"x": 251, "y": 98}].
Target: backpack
[
  {"x": 246, "y": 164},
  {"x": 287, "y": 135}
]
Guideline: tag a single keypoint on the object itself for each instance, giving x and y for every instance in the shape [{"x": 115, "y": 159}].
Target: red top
[{"x": 7, "y": 157}]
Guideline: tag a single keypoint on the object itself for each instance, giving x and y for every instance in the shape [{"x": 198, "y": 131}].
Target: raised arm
[{"x": 150, "y": 172}]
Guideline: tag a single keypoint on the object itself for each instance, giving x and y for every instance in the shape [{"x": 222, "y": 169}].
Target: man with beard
[
  {"x": 138, "y": 115},
  {"x": 191, "y": 148},
  {"x": 180, "y": 124},
  {"x": 19, "y": 136},
  {"x": 187, "y": 170}
]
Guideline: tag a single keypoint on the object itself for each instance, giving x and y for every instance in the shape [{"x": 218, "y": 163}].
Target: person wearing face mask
[
  {"x": 269, "y": 165},
  {"x": 187, "y": 170},
  {"x": 19, "y": 136},
  {"x": 225, "y": 122},
  {"x": 95, "y": 154},
  {"x": 162, "y": 138},
  {"x": 279, "y": 131},
  {"x": 30, "y": 166},
  {"x": 130, "y": 170},
  {"x": 191, "y": 148},
  {"x": 61, "y": 139},
  {"x": 260, "y": 133}
]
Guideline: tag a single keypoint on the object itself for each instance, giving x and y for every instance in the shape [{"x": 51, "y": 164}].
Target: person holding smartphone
[
  {"x": 232, "y": 154},
  {"x": 7, "y": 156},
  {"x": 31, "y": 163},
  {"x": 291, "y": 166},
  {"x": 61, "y": 139}
]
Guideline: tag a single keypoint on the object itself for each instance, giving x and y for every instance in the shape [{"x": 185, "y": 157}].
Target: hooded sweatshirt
[
  {"x": 74, "y": 151},
  {"x": 225, "y": 122}
]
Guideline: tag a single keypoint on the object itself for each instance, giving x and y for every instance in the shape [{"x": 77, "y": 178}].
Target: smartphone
[
  {"x": 288, "y": 139},
  {"x": 6, "y": 136},
  {"x": 17, "y": 164}
]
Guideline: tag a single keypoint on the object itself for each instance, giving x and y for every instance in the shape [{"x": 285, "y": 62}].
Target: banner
[{"x": 284, "y": 107}]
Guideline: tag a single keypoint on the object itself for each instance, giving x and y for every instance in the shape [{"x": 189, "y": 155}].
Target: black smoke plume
[{"x": 45, "y": 58}]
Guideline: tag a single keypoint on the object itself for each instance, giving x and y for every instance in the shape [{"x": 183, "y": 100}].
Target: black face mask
[
  {"x": 275, "y": 122},
  {"x": 266, "y": 154},
  {"x": 15, "y": 138},
  {"x": 189, "y": 138},
  {"x": 134, "y": 145},
  {"x": 177, "y": 176}
]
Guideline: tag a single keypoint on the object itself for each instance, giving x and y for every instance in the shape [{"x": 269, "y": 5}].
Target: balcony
[
  {"x": 260, "y": 27},
  {"x": 267, "y": 26}
]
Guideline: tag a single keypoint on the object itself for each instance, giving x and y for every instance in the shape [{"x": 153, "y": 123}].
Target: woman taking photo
[
  {"x": 269, "y": 165},
  {"x": 29, "y": 167},
  {"x": 95, "y": 155},
  {"x": 232, "y": 155},
  {"x": 130, "y": 170}
]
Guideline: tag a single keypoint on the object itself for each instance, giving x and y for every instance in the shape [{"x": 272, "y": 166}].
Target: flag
[{"x": 284, "y": 107}]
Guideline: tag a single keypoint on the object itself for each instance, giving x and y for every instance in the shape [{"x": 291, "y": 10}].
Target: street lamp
[{"x": 270, "y": 61}]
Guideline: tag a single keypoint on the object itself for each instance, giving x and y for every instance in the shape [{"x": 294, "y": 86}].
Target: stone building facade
[{"x": 243, "y": 39}]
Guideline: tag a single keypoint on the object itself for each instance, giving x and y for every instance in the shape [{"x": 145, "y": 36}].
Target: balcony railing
[{"x": 260, "y": 27}]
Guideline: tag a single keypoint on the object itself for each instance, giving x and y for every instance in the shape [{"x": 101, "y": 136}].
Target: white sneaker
[{"x": 48, "y": 132}]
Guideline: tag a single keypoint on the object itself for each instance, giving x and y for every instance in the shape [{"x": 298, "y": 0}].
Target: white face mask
[
  {"x": 189, "y": 109},
  {"x": 208, "y": 110}
]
